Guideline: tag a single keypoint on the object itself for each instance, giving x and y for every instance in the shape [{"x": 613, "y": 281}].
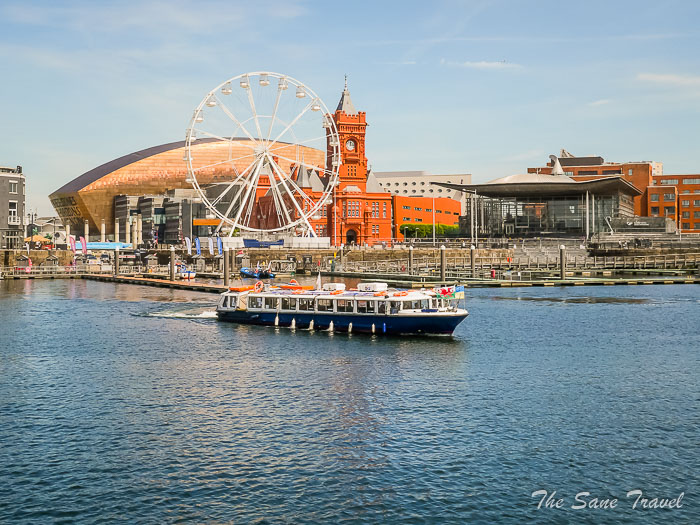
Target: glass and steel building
[{"x": 536, "y": 204}]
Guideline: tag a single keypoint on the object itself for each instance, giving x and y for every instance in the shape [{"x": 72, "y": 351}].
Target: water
[{"x": 121, "y": 403}]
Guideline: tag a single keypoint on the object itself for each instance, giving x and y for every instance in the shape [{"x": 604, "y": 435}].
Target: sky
[{"x": 484, "y": 87}]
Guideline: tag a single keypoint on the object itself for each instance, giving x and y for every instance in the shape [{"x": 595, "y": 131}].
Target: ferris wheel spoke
[
  {"x": 212, "y": 135},
  {"x": 223, "y": 162},
  {"x": 274, "y": 113},
  {"x": 291, "y": 194},
  {"x": 232, "y": 184},
  {"x": 280, "y": 198},
  {"x": 301, "y": 142},
  {"x": 305, "y": 164},
  {"x": 298, "y": 189},
  {"x": 243, "y": 187},
  {"x": 251, "y": 101},
  {"x": 289, "y": 126},
  {"x": 230, "y": 115},
  {"x": 252, "y": 183}
]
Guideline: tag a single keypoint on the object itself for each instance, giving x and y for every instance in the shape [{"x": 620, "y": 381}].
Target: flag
[
  {"x": 72, "y": 244},
  {"x": 189, "y": 245},
  {"x": 448, "y": 292},
  {"x": 197, "y": 246},
  {"x": 211, "y": 246},
  {"x": 220, "y": 245},
  {"x": 459, "y": 292},
  {"x": 83, "y": 245},
  {"x": 318, "y": 282}
]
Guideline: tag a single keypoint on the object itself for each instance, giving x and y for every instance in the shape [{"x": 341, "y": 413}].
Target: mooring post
[
  {"x": 410, "y": 260},
  {"x": 472, "y": 260},
  {"x": 443, "y": 262},
  {"x": 227, "y": 269},
  {"x": 562, "y": 261},
  {"x": 172, "y": 263},
  {"x": 116, "y": 261}
]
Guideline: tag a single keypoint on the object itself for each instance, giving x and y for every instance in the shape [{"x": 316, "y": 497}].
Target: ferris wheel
[{"x": 263, "y": 153}]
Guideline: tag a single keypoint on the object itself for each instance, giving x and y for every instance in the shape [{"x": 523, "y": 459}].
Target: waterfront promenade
[{"x": 404, "y": 267}]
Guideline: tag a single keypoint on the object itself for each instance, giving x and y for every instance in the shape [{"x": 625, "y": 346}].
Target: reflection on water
[
  {"x": 122, "y": 403},
  {"x": 580, "y": 300}
]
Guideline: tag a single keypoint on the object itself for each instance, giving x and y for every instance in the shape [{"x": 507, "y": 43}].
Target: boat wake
[{"x": 191, "y": 314}]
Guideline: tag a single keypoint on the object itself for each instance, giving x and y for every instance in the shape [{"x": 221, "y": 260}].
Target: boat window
[
  {"x": 395, "y": 306},
  {"x": 371, "y": 306},
  {"x": 255, "y": 302},
  {"x": 306, "y": 304},
  {"x": 362, "y": 307},
  {"x": 289, "y": 303},
  {"x": 324, "y": 305},
  {"x": 381, "y": 307},
  {"x": 271, "y": 303},
  {"x": 345, "y": 305},
  {"x": 425, "y": 303}
]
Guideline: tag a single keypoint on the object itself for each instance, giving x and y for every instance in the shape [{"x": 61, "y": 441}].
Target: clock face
[{"x": 350, "y": 145}]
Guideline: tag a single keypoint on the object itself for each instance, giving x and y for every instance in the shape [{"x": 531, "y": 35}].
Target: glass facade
[{"x": 537, "y": 215}]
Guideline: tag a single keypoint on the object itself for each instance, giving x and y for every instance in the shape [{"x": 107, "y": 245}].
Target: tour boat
[{"x": 371, "y": 308}]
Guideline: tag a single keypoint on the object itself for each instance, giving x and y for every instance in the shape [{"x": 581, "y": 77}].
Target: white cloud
[
  {"x": 600, "y": 102},
  {"x": 670, "y": 79},
  {"x": 482, "y": 64}
]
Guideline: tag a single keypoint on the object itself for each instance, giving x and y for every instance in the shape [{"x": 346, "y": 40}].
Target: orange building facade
[
  {"x": 424, "y": 210},
  {"x": 676, "y": 197}
]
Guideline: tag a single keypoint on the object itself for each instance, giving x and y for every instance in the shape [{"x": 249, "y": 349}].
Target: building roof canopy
[{"x": 535, "y": 184}]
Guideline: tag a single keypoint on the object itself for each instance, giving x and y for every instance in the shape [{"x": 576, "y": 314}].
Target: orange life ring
[
  {"x": 400, "y": 294},
  {"x": 297, "y": 292},
  {"x": 293, "y": 282},
  {"x": 337, "y": 292},
  {"x": 379, "y": 294},
  {"x": 258, "y": 287}
]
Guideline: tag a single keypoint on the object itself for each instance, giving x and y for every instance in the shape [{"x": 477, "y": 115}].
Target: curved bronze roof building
[{"x": 153, "y": 171}]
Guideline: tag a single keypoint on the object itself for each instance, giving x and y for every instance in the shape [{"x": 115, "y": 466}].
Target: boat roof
[{"x": 347, "y": 294}]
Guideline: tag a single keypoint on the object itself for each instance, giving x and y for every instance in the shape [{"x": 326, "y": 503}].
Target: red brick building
[
  {"x": 363, "y": 211},
  {"x": 676, "y": 197}
]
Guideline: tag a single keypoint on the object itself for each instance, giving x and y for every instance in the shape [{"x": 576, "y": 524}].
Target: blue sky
[{"x": 484, "y": 87}]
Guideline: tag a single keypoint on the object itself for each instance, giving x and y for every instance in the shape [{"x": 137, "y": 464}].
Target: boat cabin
[{"x": 349, "y": 302}]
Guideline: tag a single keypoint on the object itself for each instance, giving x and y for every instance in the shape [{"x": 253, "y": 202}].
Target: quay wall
[{"x": 10, "y": 258}]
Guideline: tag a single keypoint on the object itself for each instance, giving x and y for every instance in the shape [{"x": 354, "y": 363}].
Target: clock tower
[
  {"x": 361, "y": 212},
  {"x": 351, "y": 126}
]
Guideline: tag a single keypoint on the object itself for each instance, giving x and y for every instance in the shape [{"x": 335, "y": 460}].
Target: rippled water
[{"x": 127, "y": 404}]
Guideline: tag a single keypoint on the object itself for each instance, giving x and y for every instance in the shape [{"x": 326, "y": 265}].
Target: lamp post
[{"x": 433, "y": 221}]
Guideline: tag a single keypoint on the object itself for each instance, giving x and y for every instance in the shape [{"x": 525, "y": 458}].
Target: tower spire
[{"x": 345, "y": 103}]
